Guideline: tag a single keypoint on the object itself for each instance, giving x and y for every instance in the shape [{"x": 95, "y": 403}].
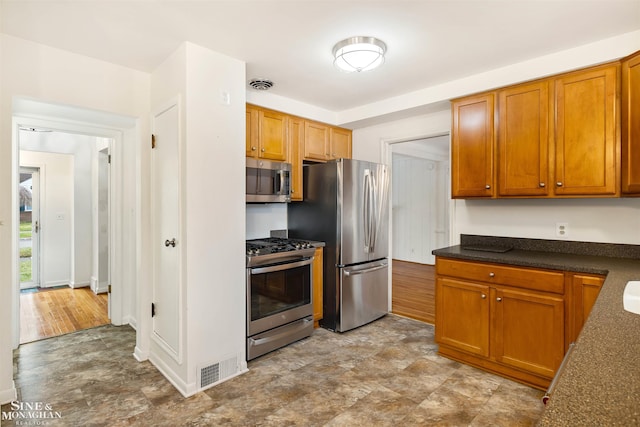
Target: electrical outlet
[{"x": 562, "y": 229}]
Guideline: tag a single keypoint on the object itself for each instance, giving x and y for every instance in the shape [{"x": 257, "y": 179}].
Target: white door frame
[
  {"x": 386, "y": 156},
  {"x": 54, "y": 124},
  {"x": 36, "y": 172}
]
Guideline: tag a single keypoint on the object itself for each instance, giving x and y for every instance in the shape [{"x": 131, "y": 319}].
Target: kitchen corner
[{"x": 600, "y": 381}]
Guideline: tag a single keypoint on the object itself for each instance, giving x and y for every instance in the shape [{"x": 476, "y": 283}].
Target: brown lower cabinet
[
  {"x": 507, "y": 320},
  {"x": 317, "y": 286}
]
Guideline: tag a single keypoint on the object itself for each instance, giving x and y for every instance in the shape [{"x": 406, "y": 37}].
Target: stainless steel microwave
[{"x": 268, "y": 182}]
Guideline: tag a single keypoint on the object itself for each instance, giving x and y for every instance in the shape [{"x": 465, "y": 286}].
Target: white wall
[
  {"x": 419, "y": 207},
  {"x": 35, "y": 71},
  {"x": 262, "y": 218},
  {"x": 213, "y": 208},
  {"x": 82, "y": 148},
  {"x": 56, "y": 218}
]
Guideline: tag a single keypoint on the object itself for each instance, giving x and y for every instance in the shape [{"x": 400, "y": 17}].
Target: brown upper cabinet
[
  {"x": 554, "y": 137},
  {"x": 523, "y": 140},
  {"x": 266, "y": 134},
  {"x": 340, "y": 143},
  {"x": 631, "y": 125},
  {"x": 587, "y": 159},
  {"x": 277, "y": 136},
  {"x": 472, "y": 146},
  {"x": 296, "y": 141},
  {"x": 316, "y": 141},
  {"x": 324, "y": 142}
]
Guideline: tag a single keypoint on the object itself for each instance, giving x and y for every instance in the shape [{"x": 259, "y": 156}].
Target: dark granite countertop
[{"x": 600, "y": 383}]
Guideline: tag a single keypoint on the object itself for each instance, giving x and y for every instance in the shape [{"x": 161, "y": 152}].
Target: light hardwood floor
[
  {"x": 49, "y": 313},
  {"x": 413, "y": 290}
]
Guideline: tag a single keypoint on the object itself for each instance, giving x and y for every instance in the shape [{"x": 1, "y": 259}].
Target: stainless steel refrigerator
[{"x": 346, "y": 206}]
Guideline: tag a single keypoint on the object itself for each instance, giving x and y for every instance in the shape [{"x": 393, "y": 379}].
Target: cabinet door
[
  {"x": 523, "y": 140},
  {"x": 631, "y": 124},
  {"x": 586, "y": 289},
  {"x": 296, "y": 139},
  {"x": 317, "y": 286},
  {"x": 273, "y": 135},
  {"x": 340, "y": 143},
  {"x": 462, "y": 315},
  {"x": 316, "y": 141},
  {"x": 252, "y": 132},
  {"x": 472, "y": 147},
  {"x": 585, "y": 132},
  {"x": 528, "y": 330}
]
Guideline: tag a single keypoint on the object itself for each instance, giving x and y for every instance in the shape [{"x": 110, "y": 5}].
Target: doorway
[
  {"x": 29, "y": 227},
  {"x": 69, "y": 232},
  {"x": 420, "y": 222}
]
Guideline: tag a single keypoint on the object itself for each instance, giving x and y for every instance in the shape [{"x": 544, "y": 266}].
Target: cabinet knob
[
  {"x": 293, "y": 191},
  {"x": 559, "y": 184},
  {"x": 262, "y": 150},
  {"x": 541, "y": 185},
  {"x": 253, "y": 148},
  {"x": 483, "y": 296},
  {"x": 488, "y": 187},
  {"x": 492, "y": 274},
  {"x": 498, "y": 299}
]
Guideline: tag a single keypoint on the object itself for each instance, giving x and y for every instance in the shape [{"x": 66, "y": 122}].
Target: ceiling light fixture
[{"x": 359, "y": 53}]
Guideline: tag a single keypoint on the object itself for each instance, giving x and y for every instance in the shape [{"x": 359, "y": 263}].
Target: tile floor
[{"x": 386, "y": 373}]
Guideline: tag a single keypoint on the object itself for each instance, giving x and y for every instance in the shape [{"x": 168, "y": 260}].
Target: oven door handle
[
  {"x": 275, "y": 337},
  {"x": 280, "y": 267}
]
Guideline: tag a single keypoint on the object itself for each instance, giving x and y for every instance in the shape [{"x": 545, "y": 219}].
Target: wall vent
[{"x": 216, "y": 372}]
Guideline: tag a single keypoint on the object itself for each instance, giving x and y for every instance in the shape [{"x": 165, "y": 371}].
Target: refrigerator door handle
[
  {"x": 367, "y": 220},
  {"x": 365, "y": 271}
]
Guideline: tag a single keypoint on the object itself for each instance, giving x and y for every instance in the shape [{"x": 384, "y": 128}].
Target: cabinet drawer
[{"x": 527, "y": 278}]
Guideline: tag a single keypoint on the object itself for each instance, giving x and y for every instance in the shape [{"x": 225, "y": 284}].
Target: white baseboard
[
  {"x": 131, "y": 321},
  {"x": 140, "y": 355},
  {"x": 101, "y": 288},
  {"x": 54, "y": 283},
  {"x": 94, "y": 284},
  {"x": 9, "y": 394},
  {"x": 172, "y": 377},
  {"x": 76, "y": 285}
]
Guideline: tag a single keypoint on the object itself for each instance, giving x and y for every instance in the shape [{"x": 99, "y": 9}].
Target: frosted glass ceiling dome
[{"x": 359, "y": 54}]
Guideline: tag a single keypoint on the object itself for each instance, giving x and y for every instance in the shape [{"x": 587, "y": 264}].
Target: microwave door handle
[{"x": 281, "y": 173}]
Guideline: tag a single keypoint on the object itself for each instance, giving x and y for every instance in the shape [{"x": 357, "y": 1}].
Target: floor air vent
[{"x": 216, "y": 372}]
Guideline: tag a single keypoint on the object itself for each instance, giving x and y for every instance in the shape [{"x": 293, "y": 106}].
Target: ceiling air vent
[{"x": 261, "y": 84}]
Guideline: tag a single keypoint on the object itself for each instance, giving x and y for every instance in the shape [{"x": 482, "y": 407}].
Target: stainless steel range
[{"x": 279, "y": 293}]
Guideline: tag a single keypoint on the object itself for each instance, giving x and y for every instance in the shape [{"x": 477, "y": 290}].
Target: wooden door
[
  {"x": 296, "y": 139},
  {"x": 586, "y": 289},
  {"x": 165, "y": 196},
  {"x": 252, "y": 132},
  {"x": 528, "y": 330},
  {"x": 472, "y": 147},
  {"x": 631, "y": 124},
  {"x": 316, "y": 141},
  {"x": 462, "y": 315},
  {"x": 523, "y": 140},
  {"x": 273, "y": 135},
  {"x": 340, "y": 143},
  {"x": 585, "y": 132}
]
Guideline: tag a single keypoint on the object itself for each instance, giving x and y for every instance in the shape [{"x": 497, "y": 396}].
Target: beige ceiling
[{"x": 429, "y": 42}]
